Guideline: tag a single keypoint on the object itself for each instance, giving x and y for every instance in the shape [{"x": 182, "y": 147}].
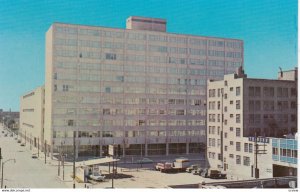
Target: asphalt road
[{"x": 26, "y": 172}]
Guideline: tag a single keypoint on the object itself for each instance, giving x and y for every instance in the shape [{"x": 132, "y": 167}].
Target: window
[
  {"x": 231, "y": 155},
  {"x": 219, "y": 156},
  {"x": 55, "y": 76},
  {"x": 246, "y": 147},
  {"x": 283, "y": 152},
  {"x": 238, "y": 91},
  {"x": 257, "y": 91},
  {"x": 107, "y": 89},
  {"x": 55, "y": 87},
  {"x": 231, "y": 128},
  {"x": 225, "y": 83},
  {"x": 293, "y": 105},
  {"x": 70, "y": 122},
  {"x": 288, "y": 153},
  {"x": 231, "y": 102},
  {"x": 238, "y": 104},
  {"x": 231, "y": 142},
  {"x": 238, "y": 132},
  {"x": 180, "y": 112},
  {"x": 65, "y": 88},
  {"x": 293, "y": 92},
  {"x": 251, "y": 91},
  {"x": 238, "y": 159},
  {"x": 238, "y": 118},
  {"x": 142, "y": 122},
  {"x": 238, "y": 146},
  {"x": 225, "y": 148},
  {"x": 275, "y": 151},
  {"x": 106, "y": 111},
  {"x": 110, "y": 56},
  {"x": 246, "y": 161},
  {"x": 250, "y": 148},
  {"x": 231, "y": 89}
]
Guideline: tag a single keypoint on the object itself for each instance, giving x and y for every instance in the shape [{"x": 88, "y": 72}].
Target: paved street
[
  {"x": 26, "y": 172},
  {"x": 34, "y": 173}
]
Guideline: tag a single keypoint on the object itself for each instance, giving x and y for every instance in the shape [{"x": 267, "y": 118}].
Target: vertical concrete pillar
[
  {"x": 146, "y": 149},
  {"x": 77, "y": 149},
  {"x": 51, "y": 150},
  {"x": 100, "y": 150},
  {"x": 123, "y": 150},
  {"x": 167, "y": 149},
  {"x": 187, "y": 148}
]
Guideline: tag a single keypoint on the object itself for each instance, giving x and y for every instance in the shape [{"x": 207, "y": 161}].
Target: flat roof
[
  {"x": 95, "y": 161},
  {"x": 143, "y": 31}
]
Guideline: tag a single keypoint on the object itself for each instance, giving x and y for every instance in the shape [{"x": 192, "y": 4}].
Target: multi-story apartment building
[
  {"x": 32, "y": 117},
  {"x": 239, "y": 107},
  {"x": 140, "y": 89}
]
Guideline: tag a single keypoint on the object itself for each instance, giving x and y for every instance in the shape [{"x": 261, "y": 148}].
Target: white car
[{"x": 97, "y": 177}]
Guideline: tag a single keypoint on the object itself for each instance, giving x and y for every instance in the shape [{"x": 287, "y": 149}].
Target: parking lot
[{"x": 31, "y": 172}]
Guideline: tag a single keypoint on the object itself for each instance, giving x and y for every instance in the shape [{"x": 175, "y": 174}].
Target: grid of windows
[{"x": 89, "y": 60}]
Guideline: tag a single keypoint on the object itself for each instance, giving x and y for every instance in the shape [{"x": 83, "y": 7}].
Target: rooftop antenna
[{"x": 281, "y": 73}]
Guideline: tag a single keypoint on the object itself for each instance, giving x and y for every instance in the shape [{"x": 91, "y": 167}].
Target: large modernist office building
[
  {"x": 240, "y": 108},
  {"x": 140, "y": 89}
]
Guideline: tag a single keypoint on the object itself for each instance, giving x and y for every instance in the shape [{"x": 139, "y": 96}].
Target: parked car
[
  {"x": 145, "y": 161},
  {"x": 34, "y": 156},
  {"x": 97, "y": 177},
  {"x": 213, "y": 174},
  {"x": 192, "y": 168},
  {"x": 22, "y": 144},
  {"x": 198, "y": 171}
]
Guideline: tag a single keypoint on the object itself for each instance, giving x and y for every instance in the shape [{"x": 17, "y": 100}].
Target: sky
[{"x": 267, "y": 27}]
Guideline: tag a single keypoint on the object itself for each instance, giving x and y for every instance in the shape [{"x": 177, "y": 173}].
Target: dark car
[{"x": 34, "y": 156}]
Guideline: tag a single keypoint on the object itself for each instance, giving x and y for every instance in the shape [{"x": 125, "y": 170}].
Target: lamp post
[{"x": 3, "y": 168}]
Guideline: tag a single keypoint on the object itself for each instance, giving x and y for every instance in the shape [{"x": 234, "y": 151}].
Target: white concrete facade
[
  {"x": 143, "y": 91},
  {"x": 32, "y": 116},
  {"x": 248, "y": 106}
]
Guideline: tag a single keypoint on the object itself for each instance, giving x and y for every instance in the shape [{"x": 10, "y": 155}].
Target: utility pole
[
  {"x": 74, "y": 158},
  {"x": 63, "y": 164},
  {"x": 38, "y": 147},
  {"x": 45, "y": 150},
  {"x": 0, "y": 157},
  {"x": 258, "y": 152},
  {"x": 113, "y": 175}
]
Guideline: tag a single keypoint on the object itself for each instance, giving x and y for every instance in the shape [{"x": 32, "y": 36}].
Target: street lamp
[{"x": 3, "y": 168}]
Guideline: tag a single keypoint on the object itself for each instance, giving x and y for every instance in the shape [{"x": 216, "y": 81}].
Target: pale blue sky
[{"x": 268, "y": 28}]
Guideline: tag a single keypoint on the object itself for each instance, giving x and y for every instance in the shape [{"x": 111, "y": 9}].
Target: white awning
[{"x": 95, "y": 161}]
